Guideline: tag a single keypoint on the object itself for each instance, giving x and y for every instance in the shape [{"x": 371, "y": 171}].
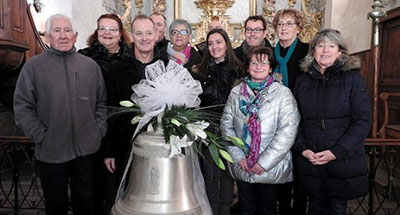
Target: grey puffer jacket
[{"x": 279, "y": 121}]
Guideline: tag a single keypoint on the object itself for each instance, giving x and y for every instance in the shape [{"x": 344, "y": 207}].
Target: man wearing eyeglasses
[
  {"x": 255, "y": 32},
  {"x": 60, "y": 103},
  {"x": 160, "y": 22}
]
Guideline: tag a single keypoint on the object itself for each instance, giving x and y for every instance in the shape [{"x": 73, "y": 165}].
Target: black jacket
[
  {"x": 105, "y": 60},
  {"x": 293, "y": 65},
  {"x": 336, "y": 116},
  {"x": 163, "y": 43},
  {"x": 217, "y": 84},
  {"x": 123, "y": 75}
]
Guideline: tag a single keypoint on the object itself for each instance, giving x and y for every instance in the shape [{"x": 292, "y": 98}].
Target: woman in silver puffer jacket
[{"x": 263, "y": 113}]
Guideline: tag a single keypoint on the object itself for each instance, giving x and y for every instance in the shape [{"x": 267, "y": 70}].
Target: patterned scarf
[
  {"x": 180, "y": 58},
  {"x": 249, "y": 105},
  {"x": 282, "y": 61}
]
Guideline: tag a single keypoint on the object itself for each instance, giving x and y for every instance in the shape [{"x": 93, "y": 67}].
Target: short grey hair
[
  {"x": 331, "y": 35},
  {"x": 57, "y": 16},
  {"x": 177, "y": 22}
]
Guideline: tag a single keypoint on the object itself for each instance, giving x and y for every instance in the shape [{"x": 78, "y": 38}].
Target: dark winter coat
[
  {"x": 336, "y": 116},
  {"x": 217, "y": 83},
  {"x": 105, "y": 60},
  {"x": 125, "y": 74}
]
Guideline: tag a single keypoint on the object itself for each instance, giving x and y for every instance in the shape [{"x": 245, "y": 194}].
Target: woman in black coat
[
  {"x": 217, "y": 73},
  {"x": 109, "y": 45},
  {"x": 336, "y": 118},
  {"x": 288, "y": 53}
]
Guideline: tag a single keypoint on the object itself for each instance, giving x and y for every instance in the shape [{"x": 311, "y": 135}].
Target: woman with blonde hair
[{"x": 335, "y": 120}]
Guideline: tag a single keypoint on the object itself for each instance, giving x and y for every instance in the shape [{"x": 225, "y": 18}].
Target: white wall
[
  {"x": 350, "y": 18},
  {"x": 84, "y": 14}
]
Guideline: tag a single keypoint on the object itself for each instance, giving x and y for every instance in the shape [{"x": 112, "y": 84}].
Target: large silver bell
[{"x": 158, "y": 184}]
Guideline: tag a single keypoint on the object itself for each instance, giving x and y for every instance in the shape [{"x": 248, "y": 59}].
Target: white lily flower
[
  {"x": 197, "y": 129},
  {"x": 177, "y": 144}
]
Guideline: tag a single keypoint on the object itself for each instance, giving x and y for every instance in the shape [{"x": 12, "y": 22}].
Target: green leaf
[
  {"x": 126, "y": 103},
  {"x": 225, "y": 155},
  {"x": 237, "y": 141},
  {"x": 221, "y": 164},
  {"x": 215, "y": 156},
  {"x": 211, "y": 135}
]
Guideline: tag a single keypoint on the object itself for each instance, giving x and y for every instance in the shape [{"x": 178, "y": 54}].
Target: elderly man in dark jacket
[
  {"x": 60, "y": 103},
  {"x": 336, "y": 118}
]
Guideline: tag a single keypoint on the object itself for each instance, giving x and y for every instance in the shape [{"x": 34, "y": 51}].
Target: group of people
[{"x": 302, "y": 111}]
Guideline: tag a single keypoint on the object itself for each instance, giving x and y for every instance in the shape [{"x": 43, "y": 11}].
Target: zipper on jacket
[{"x": 64, "y": 56}]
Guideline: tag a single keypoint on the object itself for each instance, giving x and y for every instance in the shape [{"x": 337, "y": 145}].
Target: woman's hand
[
  {"x": 324, "y": 157},
  {"x": 110, "y": 164},
  {"x": 243, "y": 164},
  {"x": 310, "y": 155},
  {"x": 257, "y": 169}
]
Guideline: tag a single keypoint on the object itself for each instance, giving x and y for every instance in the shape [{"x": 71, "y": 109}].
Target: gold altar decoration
[
  {"x": 312, "y": 23},
  {"x": 139, "y": 5},
  {"x": 269, "y": 13},
  {"x": 159, "y": 6},
  {"x": 126, "y": 17},
  {"x": 213, "y": 8},
  {"x": 292, "y": 3}
]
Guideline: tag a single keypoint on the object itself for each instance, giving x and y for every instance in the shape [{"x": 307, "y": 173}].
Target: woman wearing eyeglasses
[
  {"x": 288, "y": 52},
  {"x": 108, "y": 46},
  {"x": 336, "y": 118},
  {"x": 179, "y": 49},
  {"x": 263, "y": 113}
]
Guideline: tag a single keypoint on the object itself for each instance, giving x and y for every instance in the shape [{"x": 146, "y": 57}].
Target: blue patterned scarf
[
  {"x": 282, "y": 61},
  {"x": 249, "y": 105}
]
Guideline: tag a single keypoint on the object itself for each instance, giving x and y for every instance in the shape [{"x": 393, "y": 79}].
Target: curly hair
[{"x": 298, "y": 17}]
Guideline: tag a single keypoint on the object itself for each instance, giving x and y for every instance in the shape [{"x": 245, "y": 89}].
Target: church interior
[{"x": 371, "y": 29}]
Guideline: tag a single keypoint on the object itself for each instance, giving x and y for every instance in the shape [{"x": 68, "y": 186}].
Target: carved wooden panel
[
  {"x": 389, "y": 80},
  {"x": 13, "y": 41},
  {"x": 366, "y": 70}
]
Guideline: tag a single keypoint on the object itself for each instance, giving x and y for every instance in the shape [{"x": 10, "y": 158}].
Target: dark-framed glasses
[
  {"x": 255, "y": 30},
  {"x": 104, "y": 29},
  {"x": 182, "y": 32}
]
